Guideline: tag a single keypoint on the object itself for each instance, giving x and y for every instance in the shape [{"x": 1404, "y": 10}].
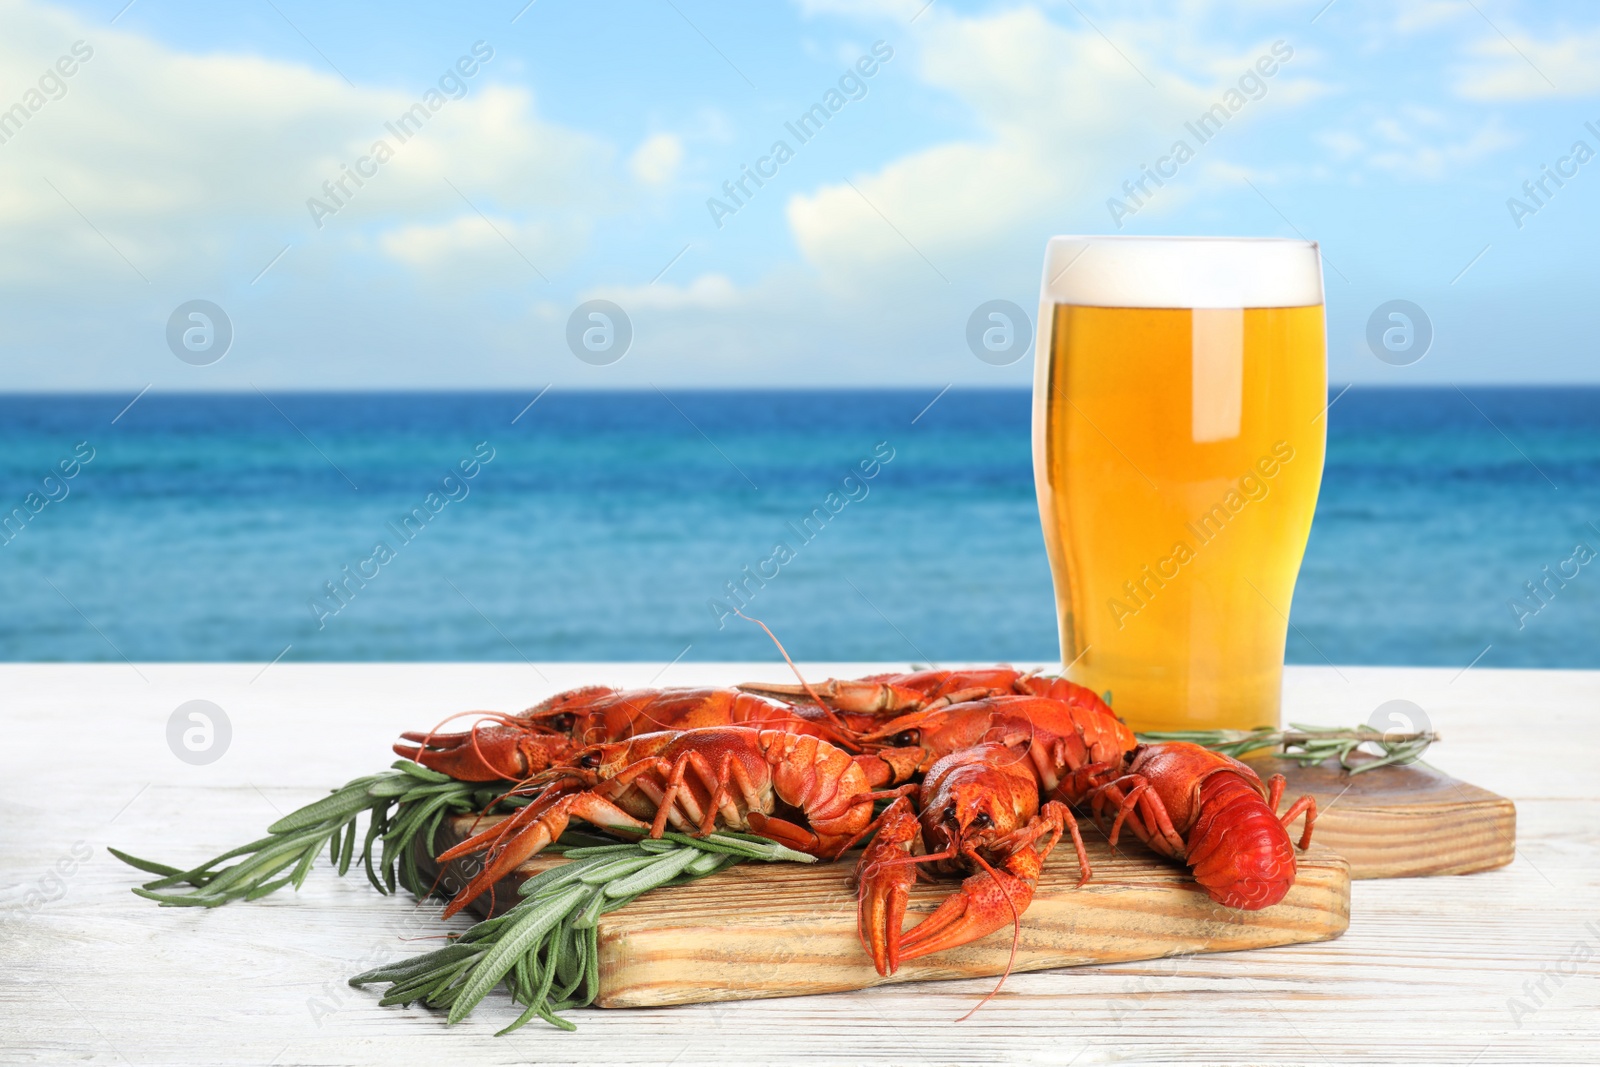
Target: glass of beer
[{"x": 1178, "y": 439}]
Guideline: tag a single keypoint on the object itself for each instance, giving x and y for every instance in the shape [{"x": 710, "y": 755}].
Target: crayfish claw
[
  {"x": 987, "y": 901},
  {"x": 486, "y": 753},
  {"x": 884, "y": 876}
]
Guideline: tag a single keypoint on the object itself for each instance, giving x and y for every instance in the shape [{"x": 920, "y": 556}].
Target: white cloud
[
  {"x": 1418, "y": 143},
  {"x": 656, "y": 160},
  {"x": 1068, "y": 115},
  {"x": 706, "y": 291},
  {"x": 1342, "y": 144},
  {"x": 177, "y": 159},
  {"x": 1421, "y": 15},
  {"x": 902, "y": 10},
  {"x": 1521, "y": 67},
  {"x": 473, "y": 244}
]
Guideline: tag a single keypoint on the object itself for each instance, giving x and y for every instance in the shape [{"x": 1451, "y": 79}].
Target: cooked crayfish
[
  {"x": 979, "y": 808},
  {"x": 1066, "y": 743},
  {"x": 514, "y": 747},
  {"x": 864, "y": 701},
  {"x": 990, "y": 761},
  {"x": 694, "y": 781},
  {"x": 1238, "y": 849},
  {"x": 1213, "y": 813}
]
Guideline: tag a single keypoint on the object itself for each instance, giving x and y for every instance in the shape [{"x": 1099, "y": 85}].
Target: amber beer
[{"x": 1178, "y": 446}]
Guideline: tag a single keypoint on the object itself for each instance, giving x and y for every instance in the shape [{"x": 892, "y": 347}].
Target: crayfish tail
[{"x": 1240, "y": 852}]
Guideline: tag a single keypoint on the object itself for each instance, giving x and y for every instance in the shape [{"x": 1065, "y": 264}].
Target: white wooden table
[{"x": 1487, "y": 968}]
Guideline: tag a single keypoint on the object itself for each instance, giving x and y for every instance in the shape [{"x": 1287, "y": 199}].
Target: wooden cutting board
[
  {"x": 785, "y": 929},
  {"x": 1402, "y": 822}
]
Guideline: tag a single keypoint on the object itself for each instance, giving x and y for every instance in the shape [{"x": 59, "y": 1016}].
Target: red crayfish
[
  {"x": 1003, "y": 754},
  {"x": 513, "y": 747},
  {"x": 798, "y": 790}
]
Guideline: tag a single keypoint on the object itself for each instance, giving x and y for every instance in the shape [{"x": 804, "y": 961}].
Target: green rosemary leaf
[
  {"x": 288, "y": 846},
  {"x": 591, "y": 911},
  {"x": 572, "y": 839},
  {"x": 375, "y": 827},
  {"x": 577, "y": 952},
  {"x": 1308, "y": 745},
  {"x": 555, "y": 876},
  {"x": 199, "y": 876},
  {"x": 716, "y": 843},
  {"x": 704, "y": 864},
  {"x": 328, "y": 824},
  {"x": 609, "y": 869},
  {"x": 435, "y": 984},
  {"x": 747, "y": 845},
  {"x": 349, "y": 853},
  {"x": 1400, "y": 753},
  {"x": 586, "y": 851},
  {"x": 417, "y": 770},
  {"x": 421, "y": 791},
  {"x": 591, "y": 980},
  {"x": 662, "y": 870},
  {"x": 266, "y": 887},
  {"x": 173, "y": 900},
  {"x": 539, "y": 999},
  {"x": 548, "y": 1016},
  {"x": 303, "y": 868},
  {"x": 343, "y": 804},
  {"x": 428, "y": 961},
  {"x": 555, "y": 957},
  {"x": 148, "y": 866},
  {"x": 499, "y": 959},
  {"x": 391, "y": 786},
  {"x": 544, "y": 951},
  {"x": 1236, "y": 743}
]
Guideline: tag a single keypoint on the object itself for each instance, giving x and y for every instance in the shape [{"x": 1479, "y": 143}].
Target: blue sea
[{"x": 603, "y": 526}]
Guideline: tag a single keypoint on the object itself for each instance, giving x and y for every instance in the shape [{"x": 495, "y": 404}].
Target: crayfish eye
[
  {"x": 589, "y": 760},
  {"x": 906, "y": 738},
  {"x": 982, "y": 820}
]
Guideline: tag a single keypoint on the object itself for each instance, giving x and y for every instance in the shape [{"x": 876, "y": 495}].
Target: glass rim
[{"x": 1135, "y": 238}]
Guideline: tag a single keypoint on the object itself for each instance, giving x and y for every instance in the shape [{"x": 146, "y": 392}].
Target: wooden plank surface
[
  {"x": 786, "y": 929},
  {"x": 1495, "y": 967},
  {"x": 1402, "y": 821}
]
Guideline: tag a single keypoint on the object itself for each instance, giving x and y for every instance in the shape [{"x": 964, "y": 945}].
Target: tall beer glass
[{"x": 1178, "y": 440}]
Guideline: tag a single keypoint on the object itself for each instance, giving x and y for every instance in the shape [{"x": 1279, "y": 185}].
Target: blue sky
[{"x": 576, "y": 164}]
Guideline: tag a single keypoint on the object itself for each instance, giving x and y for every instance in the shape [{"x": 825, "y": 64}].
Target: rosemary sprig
[
  {"x": 545, "y": 949},
  {"x": 1310, "y": 744},
  {"x": 402, "y": 804}
]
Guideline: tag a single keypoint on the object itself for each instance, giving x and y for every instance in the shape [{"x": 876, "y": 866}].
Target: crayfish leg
[
  {"x": 784, "y": 832},
  {"x": 1143, "y": 808},
  {"x": 1059, "y": 817},
  {"x": 1308, "y": 805},
  {"x": 519, "y": 839}
]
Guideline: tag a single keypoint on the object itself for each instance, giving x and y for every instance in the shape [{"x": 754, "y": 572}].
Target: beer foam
[{"x": 1182, "y": 272}]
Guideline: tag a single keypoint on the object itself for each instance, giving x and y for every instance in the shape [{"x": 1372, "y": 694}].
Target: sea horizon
[
  {"x": 208, "y": 526},
  {"x": 1334, "y": 387}
]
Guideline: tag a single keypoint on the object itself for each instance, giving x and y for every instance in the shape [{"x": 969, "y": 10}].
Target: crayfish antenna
[
  {"x": 1016, "y": 934},
  {"x": 827, "y": 712}
]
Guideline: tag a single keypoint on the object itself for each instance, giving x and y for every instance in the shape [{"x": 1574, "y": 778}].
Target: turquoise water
[{"x": 204, "y": 527}]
